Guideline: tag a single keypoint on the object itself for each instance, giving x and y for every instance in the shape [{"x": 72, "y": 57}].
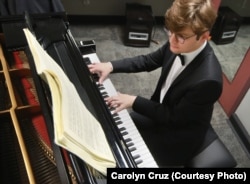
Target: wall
[
  {"x": 117, "y": 7},
  {"x": 242, "y": 7},
  {"x": 111, "y": 7},
  {"x": 243, "y": 112}
]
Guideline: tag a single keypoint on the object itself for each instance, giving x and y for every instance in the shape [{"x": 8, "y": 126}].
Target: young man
[{"x": 175, "y": 120}]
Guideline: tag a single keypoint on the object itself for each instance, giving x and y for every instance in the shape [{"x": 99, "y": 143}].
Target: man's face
[{"x": 185, "y": 41}]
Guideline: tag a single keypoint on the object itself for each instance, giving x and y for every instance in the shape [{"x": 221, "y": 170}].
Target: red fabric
[
  {"x": 40, "y": 126},
  {"x": 235, "y": 90},
  {"x": 38, "y": 120}
]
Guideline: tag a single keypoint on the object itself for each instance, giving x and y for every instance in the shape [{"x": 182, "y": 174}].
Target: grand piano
[{"x": 28, "y": 153}]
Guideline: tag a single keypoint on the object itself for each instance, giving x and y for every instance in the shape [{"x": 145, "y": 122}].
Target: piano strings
[
  {"x": 21, "y": 61},
  {"x": 4, "y": 97}
]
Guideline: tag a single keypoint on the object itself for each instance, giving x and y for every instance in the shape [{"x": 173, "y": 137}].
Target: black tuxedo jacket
[{"x": 182, "y": 119}]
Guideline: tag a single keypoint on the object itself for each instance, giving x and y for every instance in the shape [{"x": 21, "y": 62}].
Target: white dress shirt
[{"x": 177, "y": 68}]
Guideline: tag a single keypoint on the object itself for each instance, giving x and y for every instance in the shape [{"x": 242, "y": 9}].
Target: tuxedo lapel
[
  {"x": 165, "y": 70},
  {"x": 190, "y": 68},
  {"x": 168, "y": 61}
]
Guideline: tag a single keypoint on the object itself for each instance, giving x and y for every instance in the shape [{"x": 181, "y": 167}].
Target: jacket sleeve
[
  {"x": 140, "y": 63},
  {"x": 195, "y": 106}
]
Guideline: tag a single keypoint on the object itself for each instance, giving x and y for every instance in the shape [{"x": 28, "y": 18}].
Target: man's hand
[
  {"x": 101, "y": 69},
  {"x": 121, "y": 101}
]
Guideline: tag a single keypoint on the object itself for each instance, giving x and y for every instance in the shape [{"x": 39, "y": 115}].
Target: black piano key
[
  {"x": 87, "y": 60},
  {"x": 105, "y": 96},
  {"x": 136, "y": 156},
  {"x": 101, "y": 88},
  {"x": 132, "y": 149},
  {"x": 128, "y": 140},
  {"x": 104, "y": 93},
  {"x": 99, "y": 85},
  {"x": 122, "y": 129},
  {"x": 117, "y": 118},
  {"x": 114, "y": 113},
  {"x": 124, "y": 133},
  {"x": 119, "y": 123},
  {"x": 138, "y": 161},
  {"x": 130, "y": 144}
]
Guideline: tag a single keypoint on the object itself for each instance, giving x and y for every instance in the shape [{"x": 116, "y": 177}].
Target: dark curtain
[{"x": 18, "y": 7}]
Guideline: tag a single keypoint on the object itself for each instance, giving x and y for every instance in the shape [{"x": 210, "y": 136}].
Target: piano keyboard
[{"x": 125, "y": 124}]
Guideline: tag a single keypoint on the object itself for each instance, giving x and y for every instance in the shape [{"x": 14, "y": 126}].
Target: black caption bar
[{"x": 180, "y": 175}]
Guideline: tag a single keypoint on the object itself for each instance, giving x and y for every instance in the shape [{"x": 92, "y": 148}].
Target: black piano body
[{"x": 59, "y": 165}]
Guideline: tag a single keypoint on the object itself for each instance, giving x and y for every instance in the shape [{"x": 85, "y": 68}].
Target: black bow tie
[{"x": 182, "y": 59}]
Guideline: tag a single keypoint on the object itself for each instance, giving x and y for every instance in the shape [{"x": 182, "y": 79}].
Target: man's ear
[{"x": 206, "y": 36}]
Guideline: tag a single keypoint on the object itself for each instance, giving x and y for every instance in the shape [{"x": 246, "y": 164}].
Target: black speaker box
[
  {"x": 139, "y": 24},
  {"x": 226, "y": 26}
]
